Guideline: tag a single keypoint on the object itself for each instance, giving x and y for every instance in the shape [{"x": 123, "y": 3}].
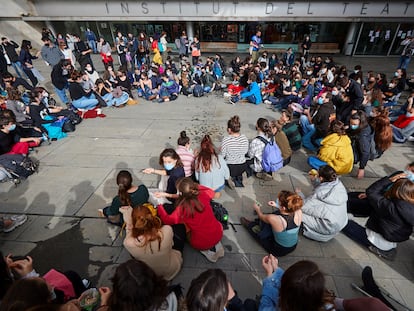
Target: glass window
[
  {"x": 402, "y": 33},
  {"x": 376, "y": 38},
  {"x": 218, "y": 31}
]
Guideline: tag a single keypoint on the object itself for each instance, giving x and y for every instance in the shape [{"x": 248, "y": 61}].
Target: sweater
[
  {"x": 253, "y": 89},
  {"x": 283, "y": 143},
  {"x": 234, "y": 149},
  {"x": 392, "y": 218},
  {"x": 324, "y": 213},
  {"x": 336, "y": 151},
  {"x": 216, "y": 176},
  {"x": 204, "y": 230},
  {"x": 163, "y": 259}
]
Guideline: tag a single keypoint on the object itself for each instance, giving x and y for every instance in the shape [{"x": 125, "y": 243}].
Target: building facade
[{"x": 353, "y": 27}]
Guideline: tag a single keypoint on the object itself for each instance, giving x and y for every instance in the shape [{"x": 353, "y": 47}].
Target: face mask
[
  {"x": 334, "y": 93},
  {"x": 312, "y": 63},
  {"x": 308, "y": 73},
  {"x": 169, "y": 166},
  {"x": 391, "y": 85},
  {"x": 315, "y": 182},
  {"x": 372, "y": 114},
  {"x": 52, "y": 295},
  {"x": 409, "y": 115},
  {"x": 356, "y": 71},
  {"x": 323, "y": 70},
  {"x": 354, "y": 126},
  {"x": 300, "y": 95},
  {"x": 65, "y": 72},
  {"x": 410, "y": 175},
  {"x": 45, "y": 94},
  {"x": 396, "y": 74},
  {"x": 88, "y": 68},
  {"x": 12, "y": 127},
  {"x": 320, "y": 101},
  {"x": 184, "y": 69}
]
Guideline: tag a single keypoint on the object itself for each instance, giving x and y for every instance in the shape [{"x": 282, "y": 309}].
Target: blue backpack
[{"x": 272, "y": 159}]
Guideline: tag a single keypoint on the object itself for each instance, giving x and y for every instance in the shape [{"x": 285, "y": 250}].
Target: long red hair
[{"x": 206, "y": 155}]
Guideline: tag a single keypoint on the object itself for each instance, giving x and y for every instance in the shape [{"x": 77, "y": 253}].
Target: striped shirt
[
  {"x": 187, "y": 157},
  {"x": 234, "y": 149}
]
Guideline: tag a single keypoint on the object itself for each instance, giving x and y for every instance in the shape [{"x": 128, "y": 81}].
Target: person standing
[
  {"x": 25, "y": 59},
  {"x": 195, "y": 50},
  {"x": 183, "y": 44},
  {"x": 255, "y": 44},
  {"x": 59, "y": 76},
  {"x": 306, "y": 45},
  {"x": 106, "y": 53},
  {"x": 91, "y": 38},
  {"x": 82, "y": 53},
  {"x": 9, "y": 51},
  {"x": 50, "y": 52},
  {"x": 163, "y": 46},
  {"x": 132, "y": 49},
  {"x": 406, "y": 53}
]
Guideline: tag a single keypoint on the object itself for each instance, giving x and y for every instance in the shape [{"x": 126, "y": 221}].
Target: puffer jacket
[
  {"x": 336, "y": 151},
  {"x": 325, "y": 211},
  {"x": 392, "y": 218}
]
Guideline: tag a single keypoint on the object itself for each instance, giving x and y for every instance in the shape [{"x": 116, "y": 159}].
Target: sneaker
[
  {"x": 267, "y": 102},
  {"x": 264, "y": 176},
  {"x": 213, "y": 256},
  {"x": 244, "y": 222},
  {"x": 231, "y": 183},
  {"x": 86, "y": 283},
  {"x": 16, "y": 221},
  {"x": 388, "y": 255},
  {"x": 411, "y": 138}
]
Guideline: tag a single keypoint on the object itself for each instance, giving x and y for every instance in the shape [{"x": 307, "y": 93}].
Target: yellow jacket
[{"x": 336, "y": 150}]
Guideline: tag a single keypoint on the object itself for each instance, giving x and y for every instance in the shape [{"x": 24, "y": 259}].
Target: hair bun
[{"x": 183, "y": 134}]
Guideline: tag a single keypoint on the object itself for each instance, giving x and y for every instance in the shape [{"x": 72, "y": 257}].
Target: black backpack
[
  {"x": 68, "y": 126},
  {"x": 221, "y": 214},
  {"x": 198, "y": 90},
  {"x": 19, "y": 165}
]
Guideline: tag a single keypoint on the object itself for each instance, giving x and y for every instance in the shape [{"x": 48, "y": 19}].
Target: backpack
[
  {"x": 160, "y": 47},
  {"x": 272, "y": 160},
  {"x": 221, "y": 214},
  {"x": 18, "y": 165},
  {"x": 198, "y": 90}
]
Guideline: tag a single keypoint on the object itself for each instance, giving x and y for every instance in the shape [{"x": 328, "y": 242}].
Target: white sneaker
[
  {"x": 411, "y": 138},
  {"x": 267, "y": 102},
  {"x": 17, "y": 220},
  {"x": 214, "y": 256}
]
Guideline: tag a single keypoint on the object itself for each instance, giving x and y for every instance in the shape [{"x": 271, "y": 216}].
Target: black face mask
[{"x": 47, "y": 44}]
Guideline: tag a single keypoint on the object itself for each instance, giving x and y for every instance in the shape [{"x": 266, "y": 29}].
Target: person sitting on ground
[
  {"x": 361, "y": 134},
  {"x": 403, "y": 127},
  {"x": 211, "y": 290},
  {"x": 233, "y": 149},
  {"x": 159, "y": 246},
  {"x": 335, "y": 151},
  {"x": 169, "y": 89},
  {"x": 252, "y": 93},
  {"x": 92, "y": 73},
  {"x": 81, "y": 99},
  {"x": 146, "y": 88},
  {"x": 391, "y": 219},
  {"x": 281, "y": 290},
  {"x": 291, "y": 130},
  {"x": 15, "y": 103},
  {"x": 128, "y": 195},
  {"x": 172, "y": 171},
  {"x": 10, "y": 141},
  {"x": 186, "y": 154},
  {"x": 207, "y": 79},
  {"x": 112, "y": 98},
  {"x": 325, "y": 210},
  {"x": 277, "y": 232},
  {"x": 210, "y": 168},
  {"x": 135, "y": 286},
  {"x": 193, "y": 209},
  {"x": 380, "y": 122},
  {"x": 282, "y": 141},
  {"x": 256, "y": 148}
]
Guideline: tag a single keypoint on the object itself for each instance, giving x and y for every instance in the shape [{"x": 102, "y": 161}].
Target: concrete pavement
[{"x": 77, "y": 176}]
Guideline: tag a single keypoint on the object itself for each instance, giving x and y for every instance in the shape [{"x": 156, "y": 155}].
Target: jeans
[
  {"x": 308, "y": 131},
  {"x": 403, "y": 62},
  {"x": 85, "y": 102},
  {"x": 18, "y": 68},
  {"x": 112, "y": 101},
  {"x": 62, "y": 94},
  {"x": 92, "y": 45},
  {"x": 315, "y": 162}
]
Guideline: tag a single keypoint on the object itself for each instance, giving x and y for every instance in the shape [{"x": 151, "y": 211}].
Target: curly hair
[{"x": 145, "y": 223}]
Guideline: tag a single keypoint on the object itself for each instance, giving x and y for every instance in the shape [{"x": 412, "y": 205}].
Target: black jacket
[
  {"x": 356, "y": 96},
  {"x": 361, "y": 145},
  {"x": 321, "y": 119},
  {"x": 392, "y": 218},
  {"x": 10, "y": 48},
  {"x": 59, "y": 80}
]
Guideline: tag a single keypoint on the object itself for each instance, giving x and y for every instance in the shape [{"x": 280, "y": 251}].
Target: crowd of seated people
[{"x": 344, "y": 119}]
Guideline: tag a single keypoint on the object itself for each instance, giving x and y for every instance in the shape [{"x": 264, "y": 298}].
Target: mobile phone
[{"x": 15, "y": 258}]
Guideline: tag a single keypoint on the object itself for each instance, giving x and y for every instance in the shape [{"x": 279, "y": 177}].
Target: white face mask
[
  {"x": 88, "y": 68},
  {"x": 323, "y": 70},
  {"x": 308, "y": 73}
]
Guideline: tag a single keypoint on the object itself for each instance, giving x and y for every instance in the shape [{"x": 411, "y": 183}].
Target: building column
[
  {"x": 350, "y": 39},
  {"x": 190, "y": 30}
]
